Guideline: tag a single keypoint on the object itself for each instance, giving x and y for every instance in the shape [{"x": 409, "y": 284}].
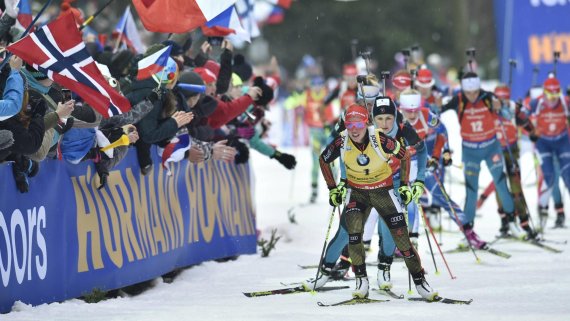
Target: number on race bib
[{"x": 477, "y": 126}]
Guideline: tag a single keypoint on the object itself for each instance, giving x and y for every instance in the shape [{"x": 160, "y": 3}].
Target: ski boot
[
  {"x": 514, "y": 229},
  {"x": 340, "y": 269},
  {"x": 322, "y": 279},
  {"x": 560, "y": 218},
  {"x": 383, "y": 277},
  {"x": 433, "y": 214},
  {"x": 314, "y": 193},
  {"x": 543, "y": 216},
  {"x": 473, "y": 238},
  {"x": 423, "y": 288},
  {"x": 361, "y": 290},
  {"x": 559, "y": 223},
  {"x": 504, "y": 230}
]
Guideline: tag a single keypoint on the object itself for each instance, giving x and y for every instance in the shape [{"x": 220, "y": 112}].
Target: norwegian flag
[{"x": 57, "y": 50}]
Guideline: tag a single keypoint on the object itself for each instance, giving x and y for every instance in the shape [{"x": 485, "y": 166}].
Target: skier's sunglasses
[
  {"x": 356, "y": 124},
  {"x": 551, "y": 95}
]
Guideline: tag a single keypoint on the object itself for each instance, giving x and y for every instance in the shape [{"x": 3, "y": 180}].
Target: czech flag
[
  {"x": 224, "y": 24},
  {"x": 178, "y": 16},
  {"x": 152, "y": 64},
  {"x": 174, "y": 151},
  {"x": 24, "y": 13},
  {"x": 127, "y": 32}
]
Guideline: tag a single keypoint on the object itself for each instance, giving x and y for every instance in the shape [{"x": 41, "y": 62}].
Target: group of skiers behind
[{"x": 393, "y": 151}]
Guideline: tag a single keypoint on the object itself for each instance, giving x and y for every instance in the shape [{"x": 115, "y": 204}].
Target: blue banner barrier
[
  {"x": 530, "y": 31},
  {"x": 65, "y": 238}
]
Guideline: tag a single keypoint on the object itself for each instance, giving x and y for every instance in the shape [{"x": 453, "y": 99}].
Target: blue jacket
[{"x": 13, "y": 95}]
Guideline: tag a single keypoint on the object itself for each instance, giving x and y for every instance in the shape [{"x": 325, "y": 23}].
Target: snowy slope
[{"x": 532, "y": 284}]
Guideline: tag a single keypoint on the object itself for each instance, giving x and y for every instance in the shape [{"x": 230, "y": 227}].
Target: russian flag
[
  {"x": 276, "y": 16},
  {"x": 282, "y": 3},
  {"x": 24, "y": 13},
  {"x": 128, "y": 33},
  {"x": 174, "y": 151},
  {"x": 152, "y": 64},
  {"x": 224, "y": 24}
]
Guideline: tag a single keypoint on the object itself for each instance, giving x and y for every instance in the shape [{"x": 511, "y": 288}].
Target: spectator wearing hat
[{"x": 551, "y": 121}]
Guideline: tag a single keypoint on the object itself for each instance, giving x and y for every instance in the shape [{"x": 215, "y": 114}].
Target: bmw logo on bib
[{"x": 362, "y": 160}]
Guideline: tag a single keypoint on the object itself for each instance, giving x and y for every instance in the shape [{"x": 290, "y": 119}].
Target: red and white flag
[
  {"x": 178, "y": 16},
  {"x": 58, "y": 51}
]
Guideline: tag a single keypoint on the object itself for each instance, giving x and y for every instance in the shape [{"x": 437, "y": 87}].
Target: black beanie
[
  {"x": 175, "y": 48},
  {"x": 120, "y": 61},
  {"x": 191, "y": 78},
  {"x": 242, "y": 68},
  {"x": 383, "y": 105},
  {"x": 37, "y": 75}
]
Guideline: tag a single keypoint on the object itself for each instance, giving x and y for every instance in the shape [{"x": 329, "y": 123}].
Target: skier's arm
[
  {"x": 331, "y": 152},
  {"x": 451, "y": 105}
]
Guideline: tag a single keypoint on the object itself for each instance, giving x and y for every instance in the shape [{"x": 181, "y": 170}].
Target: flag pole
[
  {"x": 123, "y": 27},
  {"x": 25, "y": 33},
  {"x": 90, "y": 19}
]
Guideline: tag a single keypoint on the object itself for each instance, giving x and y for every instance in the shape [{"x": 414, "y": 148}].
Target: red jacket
[{"x": 227, "y": 111}]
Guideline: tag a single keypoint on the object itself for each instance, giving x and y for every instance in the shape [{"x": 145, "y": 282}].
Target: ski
[
  {"x": 442, "y": 300},
  {"x": 331, "y": 280},
  {"x": 539, "y": 243},
  {"x": 351, "y": 302},
  {"x": 487, "y": 249},
  {"x": 297, "y": 289},
  {"x": 389, "y": 293}
]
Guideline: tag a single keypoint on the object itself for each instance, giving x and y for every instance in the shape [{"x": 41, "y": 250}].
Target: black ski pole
[
  {"x": 90, "y": 19},
  {"x": 426, "y": 223},
  {"x": 470, "y": 52},
  {"x": 324, "y": 248}
]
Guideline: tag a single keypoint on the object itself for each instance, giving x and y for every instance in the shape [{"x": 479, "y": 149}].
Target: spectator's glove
[
  {"x": 432, "y": 164},
  {"x": 245, "y": 132},
  {"x": 242, "y": 151},
  {"x": 417, "y": 190},
  {"x": 155, "y": 95},
  {"x": 22, "y": 169},
  {"x": 337, "y": 194},
  {"x": 39, "y": 110},
  {"x": 533, "y": 137},
  {"x": 405, "y": 194},
  {"x": 286, "y": 160},
  {"x": 447, "y": 160},
  {"x": 103, "y": 180}
]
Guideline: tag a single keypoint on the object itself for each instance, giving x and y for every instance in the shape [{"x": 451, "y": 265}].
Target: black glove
[
  {"x": 447, "y": 160},
  {"x": 23, "y": 168},
  {"x": 533, "y": 137},
  {"x": 155, "y": 95},
  {"x": 286, "y": 160},
  {"x": 242, "y": 155},
  {"x": 432, "y": 164},
  {"x": 103, "y": 180},
  {"x": 39, "y": 110}
]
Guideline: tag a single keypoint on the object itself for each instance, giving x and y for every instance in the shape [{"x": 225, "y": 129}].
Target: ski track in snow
[{"x": 531, "y": 285}]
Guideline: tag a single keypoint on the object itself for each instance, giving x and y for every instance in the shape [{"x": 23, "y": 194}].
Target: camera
[
  {"x": 361, "y": 79},
  {"x": 215, "y": 41},
  {"x": 385, "y": 75},
  {"x": 470, "y": 52},
  {"x": 406, "y": 52},
  {"x": 66, "y": 95}
]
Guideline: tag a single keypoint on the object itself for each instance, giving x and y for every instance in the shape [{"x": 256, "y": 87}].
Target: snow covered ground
[{"x": 532, "y": 284}]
